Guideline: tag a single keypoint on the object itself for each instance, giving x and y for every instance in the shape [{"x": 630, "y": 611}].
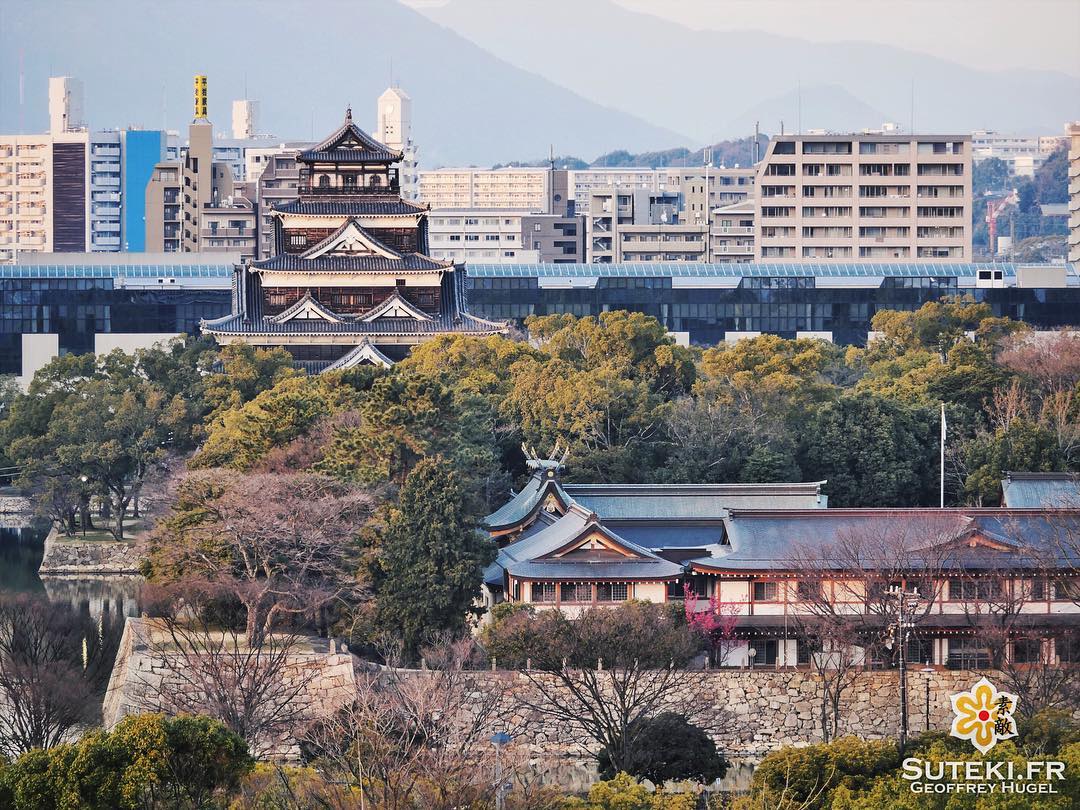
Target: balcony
[
  {"x": 730, "y": 230},
  {"x": 34, "y": 241},
  {"x": 106, "y": 181},
  {"x": 744, "y": 250},
  {"x": 222, "y": 232}
]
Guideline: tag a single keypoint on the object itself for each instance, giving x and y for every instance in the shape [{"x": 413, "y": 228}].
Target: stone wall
[
  {"x": 73, "y": 556},
  {"x": 145, "y": 673}
]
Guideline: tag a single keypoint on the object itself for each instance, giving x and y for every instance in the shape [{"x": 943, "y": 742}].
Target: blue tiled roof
[{"x": 1041, "y": 490}]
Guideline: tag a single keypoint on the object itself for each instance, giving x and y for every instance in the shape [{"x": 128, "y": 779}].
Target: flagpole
[{"x": 943, "y": 429}]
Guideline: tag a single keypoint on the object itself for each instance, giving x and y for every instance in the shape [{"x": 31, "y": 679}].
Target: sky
[
  {"x": 1043, "y": 34},
  {"x": 981, "y": 33}
]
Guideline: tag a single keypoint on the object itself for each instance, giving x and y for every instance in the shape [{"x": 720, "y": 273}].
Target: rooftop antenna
[
  {"x": 756, "y": 151},
  {"x": 22, "y": 95},
  {"x": 781, "y": 126},
  {"x": 912, "y": 106}
]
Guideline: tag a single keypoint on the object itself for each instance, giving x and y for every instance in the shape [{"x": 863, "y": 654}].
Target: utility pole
[{"x": 906, "y": 604}]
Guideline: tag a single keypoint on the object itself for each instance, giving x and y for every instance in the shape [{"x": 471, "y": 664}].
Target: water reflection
[{"x": 22, "y": 545}]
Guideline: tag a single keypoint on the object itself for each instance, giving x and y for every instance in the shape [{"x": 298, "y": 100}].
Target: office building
[
  {"x": 864, "y": 197},
  {"x": 394, "y": 128},
  {"x": 76, "y": 303},
  {"x": 1074, "y": 192},
  {"x": 710, "y": 303}
]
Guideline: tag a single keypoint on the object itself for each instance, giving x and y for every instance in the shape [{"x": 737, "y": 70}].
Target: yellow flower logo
[{"x": 984, "y": 715}]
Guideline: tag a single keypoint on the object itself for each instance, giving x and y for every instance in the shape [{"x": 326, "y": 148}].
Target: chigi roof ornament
[{"x": 552, "y": 463}]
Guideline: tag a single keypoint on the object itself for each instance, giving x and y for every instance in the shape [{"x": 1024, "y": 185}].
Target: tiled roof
[
  {"x": 1041, "y": 490},
  {"x": 392, "y": 206},
  {"x": 774, "y": 539},
  {"x": 364, "y": 352},
  {"x": 362, "y": 148},
  {"x": 351, "y": 264},
  {"x": 692, "y": 501},
  {"x": 235, "y": 325},
  {"x": 519, "y": 507}
]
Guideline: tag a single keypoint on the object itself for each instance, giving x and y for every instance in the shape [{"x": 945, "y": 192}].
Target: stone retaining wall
[
  {"x": 74, "y": 556},
  {"x": 14, "y": 504}
]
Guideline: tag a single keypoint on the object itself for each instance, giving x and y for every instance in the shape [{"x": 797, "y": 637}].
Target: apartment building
[
  {"x": 1074, "y": 191},
  {"x": 864, "y": 197},
  {"x": 523, "y": 189},
  {"x": 731, "y": 232},
  {"x": 1024, "y": 154},
  {"x": 277, "y": 184},
  {"x": 486, "y": 236},
  {"x": 189, "y": 200},
  {"x": 639, "y": 225}
]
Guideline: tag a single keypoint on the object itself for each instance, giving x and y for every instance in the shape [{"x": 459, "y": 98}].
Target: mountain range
[{"x": 492, "y": 81}]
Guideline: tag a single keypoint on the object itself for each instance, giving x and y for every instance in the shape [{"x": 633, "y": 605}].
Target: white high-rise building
[
  {"x": 245, "y": 118},
  {"x": 393, "y": 127},
  {"x": 65, "y": 104}
]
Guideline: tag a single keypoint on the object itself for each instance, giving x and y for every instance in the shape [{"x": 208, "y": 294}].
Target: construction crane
[{"x": 994, "y": 207}]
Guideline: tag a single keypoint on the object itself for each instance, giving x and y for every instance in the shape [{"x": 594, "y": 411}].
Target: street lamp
[
  {"x": 499, "y": 739},
  {"x": 751, "y": 653}
]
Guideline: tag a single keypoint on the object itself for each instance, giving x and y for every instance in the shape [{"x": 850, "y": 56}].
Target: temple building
[
  {"x": 349, "y": 281},
  {"x": 985, "y": 585}
]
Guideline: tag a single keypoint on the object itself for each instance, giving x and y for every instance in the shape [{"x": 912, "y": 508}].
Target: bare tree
[
  {"x": 415, "y": 738},
  {"x": 857, "y": 592},
  {"x": 260, "y": 690},
  {"x": 47, "y": 688},
  {"x": 282, "y": 545},
  {"x": 601, "y": 673},
  {"x": 1004, "y": 593}
]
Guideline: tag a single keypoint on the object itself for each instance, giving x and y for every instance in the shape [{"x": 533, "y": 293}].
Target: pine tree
[{"x": 432, "y": 557}]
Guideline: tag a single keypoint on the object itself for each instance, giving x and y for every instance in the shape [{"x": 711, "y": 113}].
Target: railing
[
  {"x": 308, "y": 190},
  {"x": 732, "y": 230}
]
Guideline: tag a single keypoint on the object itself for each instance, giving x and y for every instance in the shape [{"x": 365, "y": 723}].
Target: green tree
[
  {"x": 247, "y": 372},
  {"x": 1021, "y": 445},
  {"x": 668, "y": 746},
  {"x": 113, "y": 432},
  {"x": 873, "y": 451},
  {"x": 623, "y": 792},
  {"x": 430, "y": 557},
  {"x": 147, "y": 761},
  {"x": 243, "y": 435}
]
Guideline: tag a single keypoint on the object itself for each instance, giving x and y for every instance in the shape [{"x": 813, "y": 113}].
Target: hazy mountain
[
  {"x": 304, "y": 62},
  {"x": 707, "y": 83}
]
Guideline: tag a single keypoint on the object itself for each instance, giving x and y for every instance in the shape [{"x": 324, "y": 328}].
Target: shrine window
[
  {"x": 612, "y": 592},
  {"x": 543, "y": 592},
  {"x": 349, "y": 180},
  {"x": 375, "y": 181},
  {"x": 324, "y": 181}
]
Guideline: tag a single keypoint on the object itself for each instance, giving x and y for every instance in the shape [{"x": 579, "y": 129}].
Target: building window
[
  {"x": 765, "y": 591},
  {"x": 1026, "y": 650},
  {"x": 575, "y": 592},
  {"x": 767, "y": 650},
  {"x": 612, "y": 592},
  {"x": 543, "y": 592},
  {"x": 1067, "y": 649},
  {"x": 375, "y": 181},
  {"x": 324, "y": 181},
  {"x": 809, "y": 590},
  {"x": 974, "y": 589},
  {"x": 967, "y": 653}
]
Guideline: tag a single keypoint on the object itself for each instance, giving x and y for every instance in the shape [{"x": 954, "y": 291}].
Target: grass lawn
[{"x": 132, "y": 527}]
